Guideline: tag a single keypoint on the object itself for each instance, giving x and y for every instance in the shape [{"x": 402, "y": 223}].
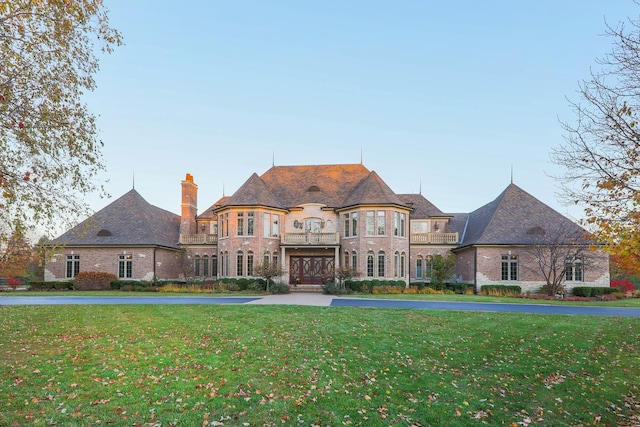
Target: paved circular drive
[{"x": 316, "y": 299}]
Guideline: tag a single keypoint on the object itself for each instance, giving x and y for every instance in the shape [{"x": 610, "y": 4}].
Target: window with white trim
[
  {"x": 72, "y": 266},
  {"x": 125, "y": 266}
]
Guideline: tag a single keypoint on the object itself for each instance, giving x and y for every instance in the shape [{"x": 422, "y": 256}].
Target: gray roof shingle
[
  {"x": 511, "y": 218},
  {"x": 128, "y": 220}
]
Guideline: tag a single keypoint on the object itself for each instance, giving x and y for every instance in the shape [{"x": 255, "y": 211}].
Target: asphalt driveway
[{"x": 325, "y": 300}]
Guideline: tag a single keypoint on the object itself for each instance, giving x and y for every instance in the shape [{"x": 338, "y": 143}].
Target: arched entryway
[{"x": 311, "y": 270}]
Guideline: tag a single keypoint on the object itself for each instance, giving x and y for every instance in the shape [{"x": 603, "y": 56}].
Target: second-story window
[
  {"x": 396, "y": 223},
  {"x": 347, "y": 225},
  {"x": 381, "y": 223},
  {"x": 274, "y": 227},
  {"x": 250, "y": 223},
  {"x": 225, "y": 224},
  {"x": 240, "y": 231},
  {"x": 370, "y": 223},
  {"x": 354, "y": 224}
]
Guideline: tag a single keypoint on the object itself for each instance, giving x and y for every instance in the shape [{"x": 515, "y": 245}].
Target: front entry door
[{"x": 310, "y": 270}]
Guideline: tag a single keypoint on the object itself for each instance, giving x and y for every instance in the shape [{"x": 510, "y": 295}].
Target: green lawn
[{"x": 325, "y": 366}]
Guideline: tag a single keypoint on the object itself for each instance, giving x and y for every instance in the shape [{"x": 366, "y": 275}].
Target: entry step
[{"x": 306, "y": 288}]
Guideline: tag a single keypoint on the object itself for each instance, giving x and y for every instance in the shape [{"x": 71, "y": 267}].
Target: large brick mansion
[{"x": 312, "y": 220}]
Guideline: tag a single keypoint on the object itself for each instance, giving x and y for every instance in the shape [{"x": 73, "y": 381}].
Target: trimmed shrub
[
  {"x": 500, "y": 290},
  {"x": 50, "y": 286},
  {"x": 333, "y": 289},
  {"x": 593, "y": 291},
  {"x": 279, "y": 288},
  {"x": 93, "y": 281}
]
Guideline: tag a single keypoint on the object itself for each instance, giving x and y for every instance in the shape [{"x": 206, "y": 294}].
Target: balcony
[
  {"x": 435, "y": 238},
  {"x": 198, "y": 239},
  {"x": 310, "y": 239}
]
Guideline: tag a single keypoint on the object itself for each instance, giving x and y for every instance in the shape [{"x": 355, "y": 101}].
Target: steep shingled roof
[
  {"x": 422, "y": 208},
  {"x": 254, "y": 192},
  {"x": 372, "y": 191},
  {"x": 511, "y": 218},
  {"x": 325, "y": 184},
  {"x": 129, "y": 220}
]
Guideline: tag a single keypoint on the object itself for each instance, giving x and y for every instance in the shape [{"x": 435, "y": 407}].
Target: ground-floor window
[
  {"x": 250, "y": 264},
  {"x": 419, "y": 268},
  {"x": 574, "y": 270},
  {"x": 214, "y": 265},
  {"x": 369, "y": 264},
  {"x": 509, "y": 267},
  {"x": 381, "y": 264},
  {"x": 239, "y": 264},
  {"x": 73, "y": 266},
  {"x": 125, "y": 266}
]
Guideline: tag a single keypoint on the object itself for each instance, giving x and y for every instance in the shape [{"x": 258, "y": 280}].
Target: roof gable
[
  {"x": 325, "y": 184},
  {"x": 515, "y": 217},
  {"x": 422, "y": 208},
  {"x": 254, "y": 192},
  {"x": 372, "y": 191},
  {"x": 129, "y": 220}
]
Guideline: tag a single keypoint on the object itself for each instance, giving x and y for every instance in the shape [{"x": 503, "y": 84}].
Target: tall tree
[
  {"x": 49, "y": 151},
  {"x": 558, "y": 252},
  {"x": 17, "y": 256},
  {"x": 601, "y": 152}
]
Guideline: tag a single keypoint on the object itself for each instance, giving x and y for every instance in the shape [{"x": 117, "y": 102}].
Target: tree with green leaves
[
  {"x": 268, "y": 270},
  {"x": 49, "y": 150},
  {"x": 442, "y": 269},
  {"x": 601, "y": 152}
]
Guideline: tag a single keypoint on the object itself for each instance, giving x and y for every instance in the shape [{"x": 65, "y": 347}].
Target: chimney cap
[{"x": 189, "y": 178}]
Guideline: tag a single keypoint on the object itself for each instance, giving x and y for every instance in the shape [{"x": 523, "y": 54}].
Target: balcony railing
[
  {"x": 436, "y": 238},
  {"x": 310, "y": 239},
  {"x": 198, "y": 239}
]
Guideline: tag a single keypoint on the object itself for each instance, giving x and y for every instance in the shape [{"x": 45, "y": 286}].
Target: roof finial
[
  {"x": 133, "y": 178},
  {"x": 273, "y": 158},
  {"x": 420, "y": 190},
  {"x": 512, "y": 173},
  {"x": 223, "y": 189},
  {"x": 360, "y": 155}
]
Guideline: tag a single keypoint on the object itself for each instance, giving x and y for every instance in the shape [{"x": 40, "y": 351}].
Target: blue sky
[{"x": 446, "y": 97}]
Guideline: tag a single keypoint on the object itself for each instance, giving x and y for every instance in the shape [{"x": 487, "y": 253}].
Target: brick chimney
[{"x": 189, "y": 206}]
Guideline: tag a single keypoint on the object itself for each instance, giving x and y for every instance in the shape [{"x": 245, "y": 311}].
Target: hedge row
[
  {"x": 366, "y": 286},
  {"x": 457, "y": 288},
  {"x": 593, "y": 291},
  {"x": 50, "y": 286},
  {"x": 500, "y": 290}
]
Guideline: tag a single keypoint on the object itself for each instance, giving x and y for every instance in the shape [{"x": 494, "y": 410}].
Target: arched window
[
  {"x": 403, "y": 260},
  {"x": 250, "y": 263},
  {"x": 346, "y": 259},
  {"x": 419, "y": 267},
  {"x": 396, "y": 261},
  {"x": 381, "y": 264},
  {"x": 239, "y": 263},
  {"x": 196, "y": 266},
  {"x": 428, "y": 266},
  {"x": 354, "y": 260},
  {"x": 214, "y": 265},
  {"x": 370, "y": 264},
  {"x": 205, "y": 266},
  {"x": 274, "y": 258}
]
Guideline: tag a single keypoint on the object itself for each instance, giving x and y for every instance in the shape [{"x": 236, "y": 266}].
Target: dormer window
[
  {"x": 104, "y": 233},
  {"x": 313, "y": 188}
]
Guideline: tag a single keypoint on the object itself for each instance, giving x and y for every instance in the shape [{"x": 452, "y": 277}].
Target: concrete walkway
[{"x": 296, "y": 298}]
